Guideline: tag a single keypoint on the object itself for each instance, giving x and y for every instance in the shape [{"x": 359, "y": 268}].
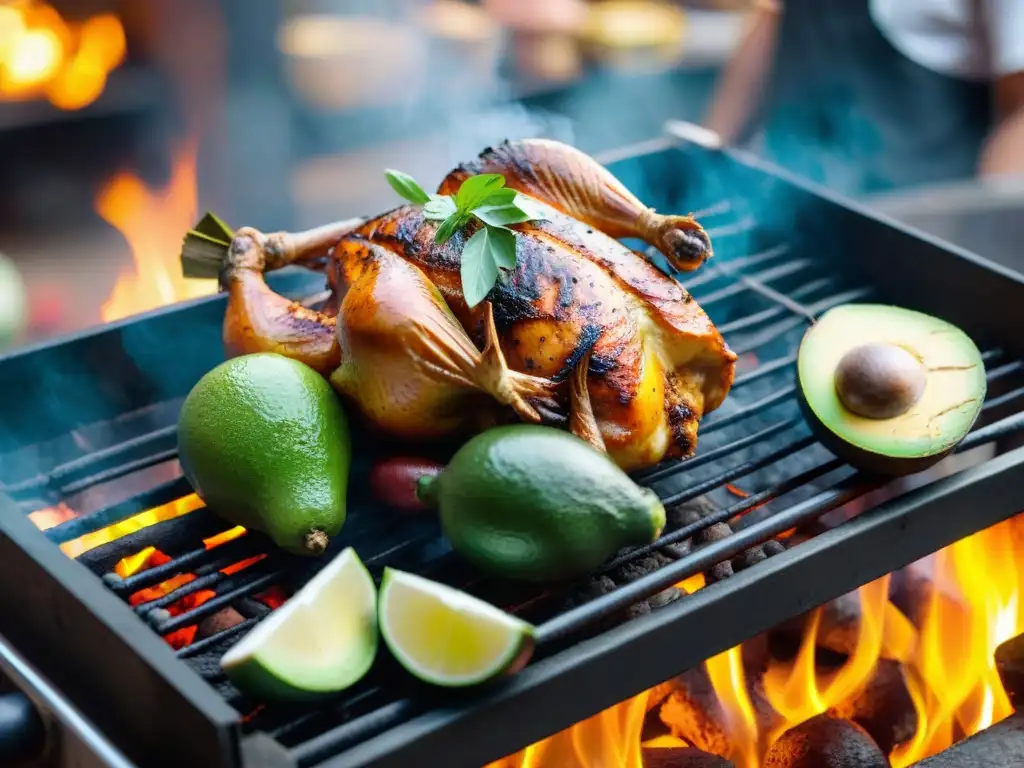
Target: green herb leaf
[
  {"x": 530, "y": 207},
  {"x": 503, "y": 196},
  {"x": 501, "y": 215},
  {"x": 479, "y": 271},
  {"x": 449, "y": 227},
  {"x": 503, "y": 247},
  {"x": 476, "y": 189},
  {"x": 406, "y": 186},
  {"x": 439, "y": 207}
]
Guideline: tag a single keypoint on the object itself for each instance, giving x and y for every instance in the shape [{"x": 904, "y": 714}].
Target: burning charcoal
[
  {"x": 251, "y": 608},
  {"x": 910, "y": 590},
  {"x": 1000, "y": 746},
  {"x": 693, "y": 712},
  {"x": 713, "y": 533},
  {"x": 683, "y": 757},
  {"x": 825, "y": 742},
  {"x": 688, "y": 512},
  {"x": 719, "y": 572},
  {"x": 838, "y": 628},
  {"x": 216, "y": 623},
  {"x": 655, "y": 696},
  {"x": 1010, "y": 664},
  {"x": 748, "y": 558},
  {"x": 627, "y": 572},
  {"x": 773, "y": 547},
  {"x": 884, "y": 709},
  {"x": 683, "y": 514}
]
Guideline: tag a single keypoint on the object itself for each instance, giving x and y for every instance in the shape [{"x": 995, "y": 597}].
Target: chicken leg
[
  {"x": 576, "y": 184},
  {"x": 261, "y": 320}
]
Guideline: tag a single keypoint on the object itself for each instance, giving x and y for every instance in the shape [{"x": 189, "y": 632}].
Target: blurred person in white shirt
[{"x": 869, "y": 95}]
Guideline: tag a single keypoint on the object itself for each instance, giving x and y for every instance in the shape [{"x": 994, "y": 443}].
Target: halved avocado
[{"x": 887, "y": 389}]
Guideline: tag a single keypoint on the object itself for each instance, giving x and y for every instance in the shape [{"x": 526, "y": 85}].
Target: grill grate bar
[
  {"x": 362, "y": 728},
  {"x": 1000, "y": 400},
  {"x": 712, "y": 272},
  {"x": 206, "y": 581},
  {"x": 758, "y": 284},
  {"x": 164, "y": 493},
  {"x": 773, "y": 312},
  {"x": 846, "y": 490},
  {"x": 713, "y": 423},
  {"x": 172, "y": 537},
  {"x": 705, "y": 557},
  {"x": 732, "y": 289},
  {"x": 227, "y": 581},
  {"x": 726, "y": 513},
  {"x": 718, "y": 453},
  {"x": 214, "y": 604},
  {"x": 738, "y": 471},
  {"x": 63, "y": 471},
  {"x": 286, "y": 728},
  {"x": 115, "y": 473},
  {"x": 200, "y": 646},
  {"x": 764, "y": 370},
  {"x": 218, "y": 557}
]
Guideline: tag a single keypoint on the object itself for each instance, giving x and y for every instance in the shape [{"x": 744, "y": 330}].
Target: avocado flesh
[{"x": 947, "y": 408}]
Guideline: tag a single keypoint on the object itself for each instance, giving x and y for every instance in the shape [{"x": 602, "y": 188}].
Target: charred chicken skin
[{"x": 583, "y": 333}]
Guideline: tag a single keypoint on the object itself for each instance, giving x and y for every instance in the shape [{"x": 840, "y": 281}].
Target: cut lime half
[
  {"x": 320, "y": 642},
  {"x": 446, "y": 637}
]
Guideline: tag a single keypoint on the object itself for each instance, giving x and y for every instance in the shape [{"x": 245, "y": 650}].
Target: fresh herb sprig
[{"x": 491, "y": 251}]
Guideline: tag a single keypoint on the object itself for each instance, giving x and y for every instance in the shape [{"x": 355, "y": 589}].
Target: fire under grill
[{"x": 132, "y": 625}]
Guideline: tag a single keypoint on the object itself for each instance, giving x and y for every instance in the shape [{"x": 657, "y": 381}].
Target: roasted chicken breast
[{"x": 583, "y": 333}]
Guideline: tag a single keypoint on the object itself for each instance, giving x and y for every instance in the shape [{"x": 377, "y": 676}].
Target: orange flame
[
  {"x": 609, "y": 738},
  {"x": 947, "y": 664},
  {"x": 953, "y": 679},
  {"x": 151, "y": 557},
  {"x": 44, "y": 56},
  {"x": 153, "y": 222}
]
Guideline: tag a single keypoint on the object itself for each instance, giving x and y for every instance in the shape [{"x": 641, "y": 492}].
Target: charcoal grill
[{"x": 90, "y": 420}]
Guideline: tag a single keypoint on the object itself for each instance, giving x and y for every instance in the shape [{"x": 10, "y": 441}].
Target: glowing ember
[
  {"x": 153, "y": 222},
  {"x": 42, "y": 55},
  {"x": 52, "y": 516},
  {"x": 150, "y": 557},
  {"x": 947, "y": 663}
]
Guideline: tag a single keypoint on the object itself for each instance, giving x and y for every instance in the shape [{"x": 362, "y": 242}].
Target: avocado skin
[
  {"x": 867, "y": 461},
  {"x": 265, "y": 443},
  {"x": 538, "y": 504}
]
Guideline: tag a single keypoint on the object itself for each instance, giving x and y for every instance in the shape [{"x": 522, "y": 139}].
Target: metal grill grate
[{"x": 762, "y": 304}]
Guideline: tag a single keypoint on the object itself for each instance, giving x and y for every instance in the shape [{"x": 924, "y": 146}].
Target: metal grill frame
[{"x": 104, "y": 653}]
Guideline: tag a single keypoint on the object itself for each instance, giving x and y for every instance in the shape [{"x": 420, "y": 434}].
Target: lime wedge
[
  {"x": 320, "y": 642},
  {"x": 446, "y": 637}
]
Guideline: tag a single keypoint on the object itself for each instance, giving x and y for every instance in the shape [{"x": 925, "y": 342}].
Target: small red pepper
[{"x": 393, "y": 481}]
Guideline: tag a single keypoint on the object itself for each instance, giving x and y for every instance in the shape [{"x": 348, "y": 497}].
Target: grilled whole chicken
[{"x": 584, "y": 333}]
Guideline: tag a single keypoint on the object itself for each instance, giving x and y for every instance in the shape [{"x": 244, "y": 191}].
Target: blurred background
[{"x": 121, "y": 120}]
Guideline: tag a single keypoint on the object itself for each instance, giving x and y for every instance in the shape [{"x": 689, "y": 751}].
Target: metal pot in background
[{"x": 985, "y": 216}]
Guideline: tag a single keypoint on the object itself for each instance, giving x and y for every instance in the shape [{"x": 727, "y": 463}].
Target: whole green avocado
[
  {"x": 538, "y": 504},
  {"x": 265, "y": 443}
]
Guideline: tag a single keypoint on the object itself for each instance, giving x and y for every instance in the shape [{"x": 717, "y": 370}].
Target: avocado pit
[{"x": 879, "y": 381}]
